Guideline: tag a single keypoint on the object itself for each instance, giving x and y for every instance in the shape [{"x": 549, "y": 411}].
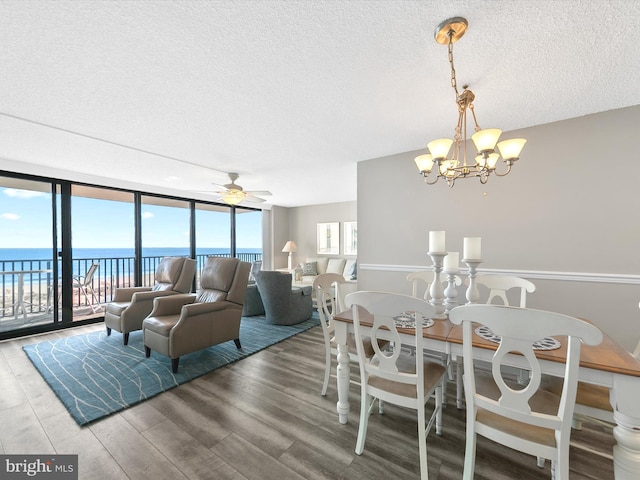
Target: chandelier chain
[{"x": 453, "y": 69}]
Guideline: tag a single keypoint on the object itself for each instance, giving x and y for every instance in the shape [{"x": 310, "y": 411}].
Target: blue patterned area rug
[{"x": 95, "y": 375}]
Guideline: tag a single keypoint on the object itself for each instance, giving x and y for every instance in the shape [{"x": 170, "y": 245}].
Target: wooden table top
[{"x": 609, "y": 356}]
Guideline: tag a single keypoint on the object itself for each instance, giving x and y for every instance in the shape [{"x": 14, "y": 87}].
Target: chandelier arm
[
  {"x": 475, "y": 120},
  {"x": 431, "y": 183},
  {"x": 506, "y": 172}
]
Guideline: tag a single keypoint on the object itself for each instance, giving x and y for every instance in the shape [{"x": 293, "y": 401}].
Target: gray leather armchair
[
  {"x": 130, "y": 306},
  {"x": 182, "y": 324},
  {"x": 283, "y": 305}
]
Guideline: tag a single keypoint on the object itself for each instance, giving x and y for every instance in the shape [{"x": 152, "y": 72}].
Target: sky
[{"x": 25, "y": 222}]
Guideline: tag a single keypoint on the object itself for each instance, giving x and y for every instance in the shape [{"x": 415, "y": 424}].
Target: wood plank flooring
[{"x": 260, "y": 418}]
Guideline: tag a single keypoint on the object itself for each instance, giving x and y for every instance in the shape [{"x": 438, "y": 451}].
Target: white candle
[
  {"x": 436, "y": 241},
  {"x": 472, "y": 248},
  {"x": 451, "y": 262}
]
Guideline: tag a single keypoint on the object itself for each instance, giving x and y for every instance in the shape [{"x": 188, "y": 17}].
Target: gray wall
[
  {"x": 301, "y": 229},
  {"x": 565, "y": 217}
]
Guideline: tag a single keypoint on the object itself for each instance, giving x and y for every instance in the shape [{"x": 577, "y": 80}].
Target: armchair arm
[
  {"x": 148, "y": 296},
  {"x": 205, "y": 307},
  {"x": 126, "y": 293},
  {"x": 306, "y": 290},
  {"x": 171, "y": 304}
]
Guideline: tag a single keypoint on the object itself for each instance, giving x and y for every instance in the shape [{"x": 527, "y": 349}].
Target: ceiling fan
[{"x": 232, "y": 193}]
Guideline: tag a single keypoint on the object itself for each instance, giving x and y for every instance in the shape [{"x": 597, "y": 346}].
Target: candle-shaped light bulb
[
  {"x": 472, "y": 248},
  {"x": 436, "y": 241}
]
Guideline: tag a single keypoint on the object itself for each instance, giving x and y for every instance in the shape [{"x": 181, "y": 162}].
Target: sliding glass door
[
  {"x": 27, "y": 255},
  {"x": 103, "y": 239},
  {"x": 165, "y": 225}
]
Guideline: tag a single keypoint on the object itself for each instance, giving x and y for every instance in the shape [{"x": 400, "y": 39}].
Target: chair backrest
[
  {"x": 88, "y": 277},
  {"x": 519, "y": 328},
  {"x": 327, "y": 297},
  {"x": 498, "y": 286},
  {"x": 175, "y": 273},
  {"x": 223, "y": 279},
  {"x": 385, "y": 308},
  {"x": 426, "y": 277}
]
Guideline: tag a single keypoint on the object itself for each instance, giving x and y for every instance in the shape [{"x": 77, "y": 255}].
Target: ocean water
[{"x": 112, "y": 261}]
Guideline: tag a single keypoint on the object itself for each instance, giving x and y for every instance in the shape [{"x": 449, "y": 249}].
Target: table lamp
[{"x": 289, "y": 248}]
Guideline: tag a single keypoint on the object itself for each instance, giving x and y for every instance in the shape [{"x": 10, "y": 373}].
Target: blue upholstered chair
[{"x": 283, "y": 305}]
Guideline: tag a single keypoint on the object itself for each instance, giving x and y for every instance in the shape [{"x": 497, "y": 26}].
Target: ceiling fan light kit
[
  {"x": 486, "y": 159},
  {"x": 233, "y": 193}
]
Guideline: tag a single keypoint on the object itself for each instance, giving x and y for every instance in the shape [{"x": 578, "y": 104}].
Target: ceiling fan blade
[
  {"x": 258, "y": 192},
  {"x": 253, "y": 199}
]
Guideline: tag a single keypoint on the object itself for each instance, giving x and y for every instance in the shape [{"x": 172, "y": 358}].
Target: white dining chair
[
  {"x": 325, "y": 287},
  {"x": 422, "y": 279},
  {"x": 391, "y": 376},
  {"x": 498, "y": 286},
  {"x": 524, "y": 418}
]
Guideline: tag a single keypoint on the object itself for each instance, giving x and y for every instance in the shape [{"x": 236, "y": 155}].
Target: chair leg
[
  {"x": 469, "y": 454},
  {"x": 147, "y": 351},
  {"x": 237, "y": 342},
  {"x": 459, "y": 384},
  {"x": 108, "y": 332},
  {"x": 422, "y": 443},
  {"x": 174, "y": 364},
  {"x": 327, "y": 370},
  {"x": 439, "y": 405},
  {"x": 364, "y": 421},
  {"x": 125, "y": 338}
]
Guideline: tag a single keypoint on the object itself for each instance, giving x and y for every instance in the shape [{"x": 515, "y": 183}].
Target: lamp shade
[
  {"x": 289, "y": 247},
  {"x": 490, "y": 162},
  {"x": 485, "y": 140},
  {"x": 510, "y": 149},
  {"x": 440, "y": 148},
  {"x": 424, "y": 163}
]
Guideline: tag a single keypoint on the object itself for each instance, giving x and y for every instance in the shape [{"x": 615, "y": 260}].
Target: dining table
[
  {"x": 20, "y": 303},
  {"x": 607, "y": 364}
]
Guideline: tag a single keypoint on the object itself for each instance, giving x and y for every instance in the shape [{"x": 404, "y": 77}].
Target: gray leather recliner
[
  {"x": 130, "y": 306},
  {"x": 182, "y": 324}
]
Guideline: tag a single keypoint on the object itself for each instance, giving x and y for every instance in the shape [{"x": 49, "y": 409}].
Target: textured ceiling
[{"x": 290, "y": 94}]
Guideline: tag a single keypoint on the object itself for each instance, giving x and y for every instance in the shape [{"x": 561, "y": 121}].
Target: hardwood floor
[{"x": 260, "y": 418}]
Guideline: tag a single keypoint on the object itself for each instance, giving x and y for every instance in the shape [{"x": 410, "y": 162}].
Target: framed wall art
[
  {"x": 329, "y": 238},
  {"x": 350, "y": 238}
]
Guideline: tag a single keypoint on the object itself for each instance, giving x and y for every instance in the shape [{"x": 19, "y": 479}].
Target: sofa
[{"x": 314, "y": 266}]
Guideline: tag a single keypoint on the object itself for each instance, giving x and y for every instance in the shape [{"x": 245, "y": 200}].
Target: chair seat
[
  {"x": 522, "y": 431},
  {"x": 432, "y": 374},
  {"x": 161, "y": 325}
]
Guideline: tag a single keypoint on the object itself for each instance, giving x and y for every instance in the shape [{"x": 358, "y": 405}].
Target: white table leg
[
  {"x": 626, "y": 453},
  {"x": 343, "y": 373}
]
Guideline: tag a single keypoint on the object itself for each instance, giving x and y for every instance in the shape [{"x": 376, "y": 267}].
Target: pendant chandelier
[{"x": 486, "y": 159}]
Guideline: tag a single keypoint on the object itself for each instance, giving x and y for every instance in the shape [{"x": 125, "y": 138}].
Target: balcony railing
[{"x": 27, "y": 285}]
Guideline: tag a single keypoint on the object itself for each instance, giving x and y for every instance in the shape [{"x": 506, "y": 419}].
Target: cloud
[
  {"x": 147, "y": 215},
  {"x": 14, "y": 192},
  {"x": 10, "y": 216}
]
